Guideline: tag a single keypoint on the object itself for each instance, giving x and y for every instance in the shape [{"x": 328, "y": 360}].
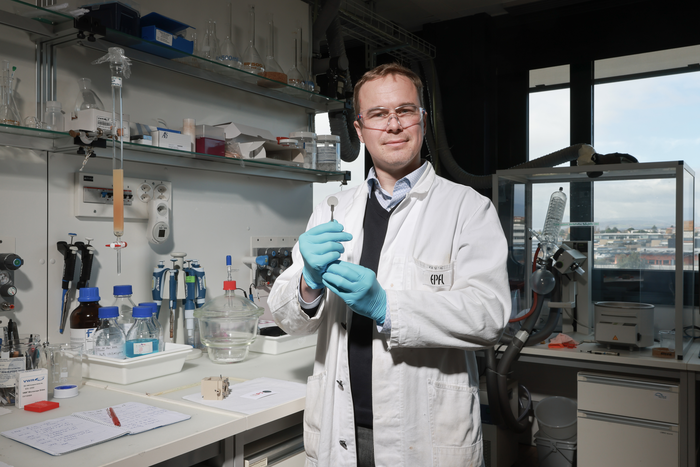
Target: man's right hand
[{"x": 320, "y": 246}]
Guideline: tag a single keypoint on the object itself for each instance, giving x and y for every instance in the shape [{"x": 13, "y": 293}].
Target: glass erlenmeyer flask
[
  {"x": 87, "y": 99},
  {"x": 208, "y": 48},
  {"x": 9, "y": 113},
  {"x": 228, "y": 55},
  {"x": 252, "y": 62},
  {"x": 273, "y": 70},
  {"x": 294, "y": 76}
]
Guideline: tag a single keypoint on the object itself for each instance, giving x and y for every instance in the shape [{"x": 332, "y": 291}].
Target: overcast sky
[{"x": 653, "y": 119}]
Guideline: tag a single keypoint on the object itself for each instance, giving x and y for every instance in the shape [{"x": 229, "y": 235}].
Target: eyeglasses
[{"x": 378, "y": 118}]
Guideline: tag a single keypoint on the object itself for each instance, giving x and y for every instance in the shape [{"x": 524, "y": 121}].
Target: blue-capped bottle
[
  {"x": 122, "y": 299},
  {"x": 110, "y": 340},
  {"x": 84, "y": 320},
  {"x": 159, "y": 327},
  {"x": 142, "y": 338}
]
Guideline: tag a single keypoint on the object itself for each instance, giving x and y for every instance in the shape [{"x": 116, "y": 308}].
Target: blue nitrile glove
[
  {"x": 358, "y": 287},
  {"x": 319, "y": 247}
]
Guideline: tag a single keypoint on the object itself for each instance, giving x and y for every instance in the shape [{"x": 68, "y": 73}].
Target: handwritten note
[
  {"x": 61, "y": 435},
  {"x": 83, "y": 429},
  {"x": 135, "y": 417}
]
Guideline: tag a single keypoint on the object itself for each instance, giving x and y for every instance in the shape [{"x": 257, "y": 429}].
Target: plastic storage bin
[
  {"x": 556, "y": 417},
  {"x": 555, "y": 452},
  {"x": 328, "y": 153}
]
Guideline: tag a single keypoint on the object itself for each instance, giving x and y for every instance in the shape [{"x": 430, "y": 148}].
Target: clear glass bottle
[
  {"x": 9, "y": 112},
  {"x": 87, "y": 98},
  {"x": 122, "y": 299},
  {"x": 294, "y": 76},
  {"x": 252, "y": 62},
  {"x": 228, "y": 53},
  {"x": 53, "y": 116},
  {"x": 110, "y": 340},
  {"x": 142, "y": 338},
  {"x": 85, "y": 320},
  {"x": 156, "y": 323},
  {"x": 273, "y": 70}
]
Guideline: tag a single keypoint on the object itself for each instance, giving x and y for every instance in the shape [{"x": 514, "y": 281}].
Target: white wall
[{"x": 214, "y": 213}]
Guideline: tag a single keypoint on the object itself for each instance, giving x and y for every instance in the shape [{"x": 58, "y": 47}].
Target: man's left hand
[{"x": 358, "y": 287}]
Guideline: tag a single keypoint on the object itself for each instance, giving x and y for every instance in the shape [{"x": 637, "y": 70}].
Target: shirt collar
[{"x": 401, "y": 188}]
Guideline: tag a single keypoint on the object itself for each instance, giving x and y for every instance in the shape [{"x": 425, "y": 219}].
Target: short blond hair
[{"x": 388, "y": 69}]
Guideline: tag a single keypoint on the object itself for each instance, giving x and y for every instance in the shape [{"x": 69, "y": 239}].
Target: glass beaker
[
  {"x": 53, "y": 117},
  {"x": 252, "y": 62},
  {"x": 9, "y": 113},
  {"x": 87, "y": 98},
  {"x": 228, "y": 55},
  {"x": 65, "y": 365},
  {"x": 273, "y": 70}
]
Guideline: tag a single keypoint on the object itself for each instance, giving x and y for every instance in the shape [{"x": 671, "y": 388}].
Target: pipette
[
  {"x": 332, "y": 202},
  {"x": 120, "y": 68},
  {"x": 69, "y": 252}
]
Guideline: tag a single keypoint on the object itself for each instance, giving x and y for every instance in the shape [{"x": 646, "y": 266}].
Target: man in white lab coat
[{"x": 402, "y": 286}]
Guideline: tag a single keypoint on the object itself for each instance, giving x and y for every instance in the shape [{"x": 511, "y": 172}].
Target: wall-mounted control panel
[
  {"x": 270, "y": 257},
  {"x": 94, "y": 196},
  {"x": 9, "y": 263}
]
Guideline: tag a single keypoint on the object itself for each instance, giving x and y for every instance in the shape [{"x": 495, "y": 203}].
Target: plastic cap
[
  {"x": 229, "y": 285},
  {"x": 123, "y": 290},
  {"x": 66, "y": 391},
  {"x": 228, "y": 260},
  {"x": 142, "y": 312},
  {"x": 108, "y": 312},
  {"x": 153, "y": 305},
  {"x": 89, "y": 294},
  {"x": 53, "y": 105},
  {"x": 329, "y": 138}
]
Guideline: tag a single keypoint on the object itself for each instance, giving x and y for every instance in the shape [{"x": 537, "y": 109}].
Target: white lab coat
[{"x": 443, "y": 266}]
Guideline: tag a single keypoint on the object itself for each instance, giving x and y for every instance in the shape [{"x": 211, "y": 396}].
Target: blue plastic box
[{"x": 163, "y": 31}]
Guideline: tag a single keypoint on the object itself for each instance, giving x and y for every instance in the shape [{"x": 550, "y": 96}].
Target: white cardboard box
[{"x": 169, "y": 139}]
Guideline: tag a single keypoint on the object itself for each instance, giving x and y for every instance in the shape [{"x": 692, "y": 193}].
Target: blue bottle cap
[
  {"x": 123, "y": 290},
  {"x": 89, "y": 294},
  {"x": 153, "y": 305},
  {"x": 142, "y": 312},
  {"x": 108, "y": 312}
]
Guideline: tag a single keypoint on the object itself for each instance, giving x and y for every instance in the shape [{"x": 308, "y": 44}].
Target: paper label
[
  {"x": 85, "y": 337},
  {"x": 112, "y": 351},
  {"x": 164, "y": 38},
  {"x": 9, "y": 368},
  {"x": 142, "y": 348},
  {"x": 116, "y": 81},
  {"x": 259, "y": 394}
]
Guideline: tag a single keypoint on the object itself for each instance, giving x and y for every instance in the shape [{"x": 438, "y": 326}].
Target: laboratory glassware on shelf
[
  {"x": 209, "y": 48},
  {"x": 228, "y": 324},
  {"x": 53, "y": 116},
  {"x": 110, "y": 340},
  {"x": 9, "y": 112},
  {"x": 120, "y": 68},
  {"x": 294, "y": 76},
  {"x": 87, "y": 98},
  {"x": 252, "y": 62},
  {"x": 142, "y": 338},
  {"x": 84, "y": 319},
  {"x": 273, "y": 71},
  {"x": 228, "y": 54}
]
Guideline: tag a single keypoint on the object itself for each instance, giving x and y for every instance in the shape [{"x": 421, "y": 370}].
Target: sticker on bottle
[
  {"x": 142, "y": 348},
  {"x": 116, "y": 81}
]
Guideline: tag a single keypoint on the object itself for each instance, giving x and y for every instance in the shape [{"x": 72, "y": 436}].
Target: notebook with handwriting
[{"x": 83, "y": 429}]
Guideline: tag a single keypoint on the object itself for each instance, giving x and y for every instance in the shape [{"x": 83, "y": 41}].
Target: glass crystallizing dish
[{"x": 228, "y": 325}]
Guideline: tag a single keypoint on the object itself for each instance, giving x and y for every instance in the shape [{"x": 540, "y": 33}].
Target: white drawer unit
[{"x": 624, "y": 421}]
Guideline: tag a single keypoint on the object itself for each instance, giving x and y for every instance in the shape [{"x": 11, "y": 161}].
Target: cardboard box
[
  {"x": 32, "y": 386},
  {"x": 259, "y": 144},
  {"x": 172, "y": 140}
]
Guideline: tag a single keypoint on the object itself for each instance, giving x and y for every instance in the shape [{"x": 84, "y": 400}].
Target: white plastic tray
[
  {"x": 281, "y": 344},
  {"x": 132, "y": 370}
]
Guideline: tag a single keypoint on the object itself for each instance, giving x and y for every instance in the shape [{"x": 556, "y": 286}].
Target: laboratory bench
[{"x": 210, "y": 433}]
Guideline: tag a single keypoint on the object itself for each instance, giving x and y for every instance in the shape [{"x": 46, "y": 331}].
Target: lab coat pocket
[
  {"x": 436, "y": 278},
  {"x": 313, "y": 413},
  {"x": 455, "y": 424}
]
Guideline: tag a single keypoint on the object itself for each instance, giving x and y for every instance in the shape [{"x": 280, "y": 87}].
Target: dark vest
[{"x": 360, "y": 342}]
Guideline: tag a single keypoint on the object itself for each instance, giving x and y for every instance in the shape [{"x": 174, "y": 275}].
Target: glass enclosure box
[{"x": 634, "y": 222}]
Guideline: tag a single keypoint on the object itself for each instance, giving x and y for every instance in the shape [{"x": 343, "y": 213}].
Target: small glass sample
[
  {"x": 228, "y": 55},
  {"x": 294, "y": 76},
  {"x": 53, "y": 117},
  {"x": 9, "y": 113},
  {"x": 328, "y": 153},
  {"x": 273, "y": 71},
  {"x": 252, "y": 61},
  {"x": 209, "y": 48},
  {"x": 87, "y": 98}
]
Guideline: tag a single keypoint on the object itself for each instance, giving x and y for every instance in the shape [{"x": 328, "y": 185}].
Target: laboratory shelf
[
  {"x": 45, "y": 140},
  {"x": 31, "y": 18},
  {"x": 198, "y": 67}
]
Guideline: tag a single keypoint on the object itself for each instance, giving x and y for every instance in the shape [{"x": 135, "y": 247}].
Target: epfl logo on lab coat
[{"x": 437, "y": 279}]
